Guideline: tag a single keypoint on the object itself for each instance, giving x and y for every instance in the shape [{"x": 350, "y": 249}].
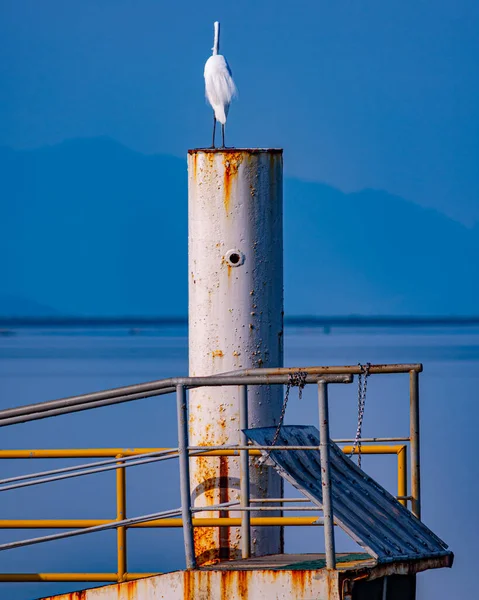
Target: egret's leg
[
  {"x": 223, "y": 134},
  {"x": 214, "y": 130}
]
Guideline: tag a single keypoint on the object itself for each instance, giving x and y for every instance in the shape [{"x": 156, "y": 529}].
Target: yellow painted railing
[{"x": 122, "y": 575}]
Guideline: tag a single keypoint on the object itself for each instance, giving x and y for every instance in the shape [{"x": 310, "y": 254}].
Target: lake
[{"x": 42, "y": 364}]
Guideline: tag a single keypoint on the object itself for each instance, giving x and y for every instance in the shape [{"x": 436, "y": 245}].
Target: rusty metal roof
[{"x": 368, "y": 513}]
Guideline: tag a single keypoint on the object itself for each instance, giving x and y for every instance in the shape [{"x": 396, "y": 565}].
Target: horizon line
[{"x": 324, "y": 321}]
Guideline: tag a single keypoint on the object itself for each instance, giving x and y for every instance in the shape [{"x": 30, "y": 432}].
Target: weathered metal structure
[
  {"x": 231, "y": 508},
  {"x": 235, "y": 265},
  {"x": 396, "y": 545}
]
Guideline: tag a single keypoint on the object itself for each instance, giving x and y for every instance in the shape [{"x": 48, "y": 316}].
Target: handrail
[
  {"x": 120, "y": 459},
  {"x": 269, "y": 376},
  {"x": 167, "y": 519},
  {"x": 85, "y": 469},
  {"x": 51, "y": 408},
  {"x": 157, "y": 455},
  {"x": 167, "y": 386}
]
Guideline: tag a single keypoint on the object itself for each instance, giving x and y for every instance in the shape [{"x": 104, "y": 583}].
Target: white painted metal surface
[
  {"x": 235, "y": 263},
  {"x": 221, "y": 585}
]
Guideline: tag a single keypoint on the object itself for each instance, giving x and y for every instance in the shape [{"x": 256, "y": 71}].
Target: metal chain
[
  {"x": 362, "y": 389},
  {"x": 296, "y": 379}
]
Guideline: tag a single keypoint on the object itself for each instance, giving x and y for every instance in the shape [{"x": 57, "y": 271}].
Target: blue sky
[{"x": 360, "y": 94}]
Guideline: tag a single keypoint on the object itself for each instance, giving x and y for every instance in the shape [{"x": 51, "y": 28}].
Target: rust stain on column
[{"x": 231, "y": 163}]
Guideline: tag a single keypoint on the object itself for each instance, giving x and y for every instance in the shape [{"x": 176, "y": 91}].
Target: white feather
[{"x": 219, "y": 85}]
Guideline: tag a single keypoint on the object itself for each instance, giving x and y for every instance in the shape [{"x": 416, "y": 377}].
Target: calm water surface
[{"x": 41, "y": 365}]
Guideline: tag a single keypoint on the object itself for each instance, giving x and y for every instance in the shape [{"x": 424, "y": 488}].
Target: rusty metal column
[{"x": 235, "y": 268}]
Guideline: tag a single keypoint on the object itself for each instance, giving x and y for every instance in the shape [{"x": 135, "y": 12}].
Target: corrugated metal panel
[{"x": 369, "y": 514}]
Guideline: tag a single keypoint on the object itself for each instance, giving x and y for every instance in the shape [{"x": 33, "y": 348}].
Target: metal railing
[{"x": 120, "y": 459}]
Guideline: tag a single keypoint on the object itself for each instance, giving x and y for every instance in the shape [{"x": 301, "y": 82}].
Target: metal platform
[
  {"x": 294, "y": 562},
  {"x": 274, "y": 577},
  {"x": 398, "y": 545}
]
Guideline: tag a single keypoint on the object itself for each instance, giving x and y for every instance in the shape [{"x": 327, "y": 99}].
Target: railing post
[
  {"x": 415, "y": 443},
  {"x": 182, "y": 415},
  {"x": 244, "y": 475},
  {"x": 326, "y": 475},
  {"x": 121, "y": 515},
  {"x": 402, "y": 474}
]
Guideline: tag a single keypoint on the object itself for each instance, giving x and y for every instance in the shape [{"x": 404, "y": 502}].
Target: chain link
[
  {"x": 362, "y": 389},
  {"x": 296, "y": 379}
]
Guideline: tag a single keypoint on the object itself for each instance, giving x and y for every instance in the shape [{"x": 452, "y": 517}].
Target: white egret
[{"x": 219, "y": 85}]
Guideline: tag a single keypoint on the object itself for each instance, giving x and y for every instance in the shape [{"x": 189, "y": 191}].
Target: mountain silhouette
[{"x": 90, "y": 227}]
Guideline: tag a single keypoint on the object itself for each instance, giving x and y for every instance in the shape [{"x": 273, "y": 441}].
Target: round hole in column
[{"x": 234, "y": 258}]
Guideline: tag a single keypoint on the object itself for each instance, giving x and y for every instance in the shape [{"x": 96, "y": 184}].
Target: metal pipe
[
  {"x": 105, "y": 527},
  {"x": 384, "y": 595},
  {"x": 69, "y": 577},
  {"x": 414, "y": 434},
  {"x": 249, "y": 448},
  {"x": 79, "y": 407},
  {"x": 159, "y": 452},
  {"x": 101, "y": 452},
  {"x": 137, "y": 453},
  {"x": 271, "y": 500},
  {"x": 95, "y": 399},
  {"x": 78, "y": 453},
  {"x": 52, "y": 408},
  {"x": 255, "y": 379},
  {"x": 326, "y": 476},
  {"x": 135, "y": 390},
  {"x": 52, "y": 523},
  {"x": 336, "y": 370},
  {"x": 137, "y": 459},
  {"x": 91, "y": 400},
  {"x": 59, "y": 577},
  {"x": 244, "y": 474},
  {"x": 166, "y": 456},
  {"x": 215, "y": 507},
  {"x": 371, "y": 440},
  {"x": 153, "y": 523},
  {"x": 229, "y": 451},
  {"x": 274, "y": 508},
  {"x": 379, "y": 449},
  {"x": 182, "y": 416},
  {"x": 402, "y": 475},
  {"x": 121, "y": 515},
  {"x": 255, "y": 522},
  {"x": 166, "y": 386}
]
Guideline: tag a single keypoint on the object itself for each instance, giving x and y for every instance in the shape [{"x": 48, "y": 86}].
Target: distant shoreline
[{"x": 324, "y": 322}]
